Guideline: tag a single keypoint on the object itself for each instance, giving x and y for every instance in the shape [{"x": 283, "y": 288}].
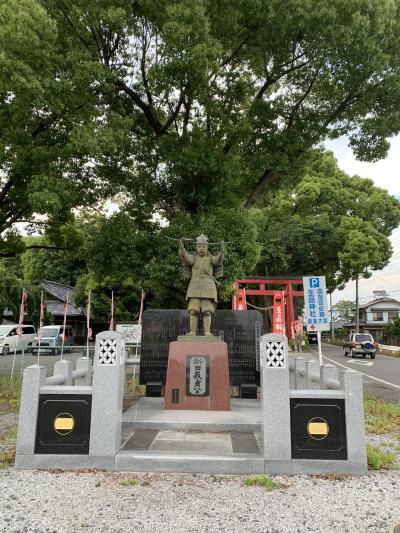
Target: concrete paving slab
[
  {"x": 141, "y": 440},
  {"x": 244, "y": 443}
]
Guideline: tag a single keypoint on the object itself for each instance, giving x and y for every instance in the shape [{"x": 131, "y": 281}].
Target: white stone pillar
[
  {"x": 355, "y": 428},
  {"x": 108, "y": 392},
  {"x": 275, "y": 397},
  {"x": 33, "y": 378}
]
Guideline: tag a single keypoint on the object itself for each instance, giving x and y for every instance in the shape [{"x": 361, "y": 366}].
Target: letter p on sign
[{"x": 314, "y": 283}]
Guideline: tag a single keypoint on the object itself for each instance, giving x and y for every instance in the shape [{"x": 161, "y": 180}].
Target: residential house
[{"x": 376, "y": 314}]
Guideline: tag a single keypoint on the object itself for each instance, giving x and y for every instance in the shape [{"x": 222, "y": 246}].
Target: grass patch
[
  {"x": 382, "y": 417},
  {"x": 131, "y": 482},
  {"x": 10, "y": 393},
  {"x": 379, "y": 460},
  {"x": 10, "y": 436},
  {"x": 7, "y": 458},
  {"x": 262, "y": 481},
  {"x": 133, "y": 387}
]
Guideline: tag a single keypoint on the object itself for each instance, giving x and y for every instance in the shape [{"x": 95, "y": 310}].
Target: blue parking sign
[{"x": 315, "y": 303}]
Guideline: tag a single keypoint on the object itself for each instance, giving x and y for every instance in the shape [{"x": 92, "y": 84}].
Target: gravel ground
[
  {"x": 94, "y": 501},
  {"x": 45, "y": 501}
]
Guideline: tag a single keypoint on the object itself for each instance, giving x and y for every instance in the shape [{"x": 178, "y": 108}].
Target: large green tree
[
  {"x": 329, "y": 223},
  {"x": 344, "y": 310},
  {"x": 185, "y": 104}
]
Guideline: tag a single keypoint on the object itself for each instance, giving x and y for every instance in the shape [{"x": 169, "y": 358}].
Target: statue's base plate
[{"x": 198, "y": 338}]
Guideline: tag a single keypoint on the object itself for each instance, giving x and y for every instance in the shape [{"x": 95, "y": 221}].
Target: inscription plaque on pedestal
[
  {"x": 241, "y": 331},
  {"x": 197, "y": 375}
]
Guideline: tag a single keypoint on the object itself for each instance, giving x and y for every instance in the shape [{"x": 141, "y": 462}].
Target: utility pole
[{"x": 357, "y": 309}]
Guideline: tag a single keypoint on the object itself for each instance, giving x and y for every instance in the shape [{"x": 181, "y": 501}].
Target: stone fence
[
  {"x": 73, "y": 418},
  {"x": 312, "y": 416}
]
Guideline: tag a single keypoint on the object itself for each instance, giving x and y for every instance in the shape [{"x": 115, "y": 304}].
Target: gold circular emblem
[
  {"x": 64, "y": 423},
  {"x": 318, "y": 428}
]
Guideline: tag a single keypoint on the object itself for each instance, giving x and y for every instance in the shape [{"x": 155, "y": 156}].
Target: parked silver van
[
  {"x": 51, "y": 339},
  {"x": 9, "y": 339}
]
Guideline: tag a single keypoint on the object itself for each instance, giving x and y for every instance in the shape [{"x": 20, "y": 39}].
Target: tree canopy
[
  {"x": 328, "y": 223},
  {"x": 344, "y": 310},
  {"x": 199, "y": 116},
  {"x": 187, "y": 104}
]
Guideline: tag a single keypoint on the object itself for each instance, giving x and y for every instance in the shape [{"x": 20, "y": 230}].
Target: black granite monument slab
[
  {"x": 318, "y": 428},
  {"x": 63, "y": 425},
  {"x": 239, "y": 329}
]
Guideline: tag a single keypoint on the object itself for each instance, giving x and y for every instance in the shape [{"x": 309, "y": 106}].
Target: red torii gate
[{"x": 288, "y": 282}]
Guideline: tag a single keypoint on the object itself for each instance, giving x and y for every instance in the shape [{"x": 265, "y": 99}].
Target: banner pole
[
  {"x": 64, "y": 326},
  {"x": 319, "y": 348}
]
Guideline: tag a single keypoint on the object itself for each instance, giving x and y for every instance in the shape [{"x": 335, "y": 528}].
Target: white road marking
[
  {"x": 363, "y": 373},
  {"x": 365, "y": 363}
]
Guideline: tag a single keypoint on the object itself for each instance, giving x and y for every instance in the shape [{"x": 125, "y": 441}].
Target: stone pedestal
[{"x": 198, "y": 375}]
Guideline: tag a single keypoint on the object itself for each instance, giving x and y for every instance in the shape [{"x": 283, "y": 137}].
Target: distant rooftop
[{"x": 60, "y": 292}]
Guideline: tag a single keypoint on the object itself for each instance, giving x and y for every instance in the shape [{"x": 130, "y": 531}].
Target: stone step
[
  {"x": 188, "y": 462},
  {"x": 214, "y": 427}
]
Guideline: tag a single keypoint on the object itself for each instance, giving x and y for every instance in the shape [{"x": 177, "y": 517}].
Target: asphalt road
[
  {"x": 381, "y": 375},
  {"x": 22, "y": 361}
]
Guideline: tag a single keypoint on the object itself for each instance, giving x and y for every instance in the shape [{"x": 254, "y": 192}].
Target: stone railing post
[
  {"x": 300, "y": 373},
  {"x": 84, "y": 363},
  {"x": 328, "y": 373},
  {"x": 275, "y": 397},
  {"x": 64, "y": 368},
  {"x": 355, "y": 428},
  {"x": 107, "y": 396},
  {"x": 313, "y": 375},
  {"x": 34, "y": 377}
]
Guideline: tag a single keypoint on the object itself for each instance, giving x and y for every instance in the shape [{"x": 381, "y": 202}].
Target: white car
[
  {"x": 9, "y": 340},
  {"x": 51, "y": 339}
]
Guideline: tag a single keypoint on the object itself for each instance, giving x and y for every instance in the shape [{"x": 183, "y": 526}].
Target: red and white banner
[
  {"x": 141, "y": 307},
  {"x": 279, "y": 313},
  {"x": 89, "y": 329},
  {"x": 298, "y": 326},
  {"x": 242, "y": 304},
  {"x": 24, "y": 299}
]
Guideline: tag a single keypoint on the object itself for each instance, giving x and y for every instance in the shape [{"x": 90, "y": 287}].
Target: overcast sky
[{"x": 385, "y": 174}]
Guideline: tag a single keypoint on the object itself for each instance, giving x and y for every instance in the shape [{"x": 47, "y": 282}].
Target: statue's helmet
[{"x": 202, "y": 239}]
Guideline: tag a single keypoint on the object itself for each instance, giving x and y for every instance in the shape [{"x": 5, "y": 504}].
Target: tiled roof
[
  {"x": 60, "y": 292},
  {"x": 377, "y": 301},
  {"x": 57, "y": 309}
]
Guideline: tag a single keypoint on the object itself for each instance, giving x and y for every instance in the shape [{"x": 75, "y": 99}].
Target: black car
[{"x": 312, "y": 337}]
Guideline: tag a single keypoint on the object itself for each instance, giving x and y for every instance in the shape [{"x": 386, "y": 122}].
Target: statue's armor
[
  {"x": 201, "y": 268},
  {"x": 202, "y": 284}
]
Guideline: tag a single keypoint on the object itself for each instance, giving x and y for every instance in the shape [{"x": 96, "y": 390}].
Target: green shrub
[
  {"x": 378, "y": 460},
  {"x": 381, "y": 417},
  {"x": 10, "y": 392},
  {"x": 130, "y": 482},
  {"x": 262, "y": 481}
]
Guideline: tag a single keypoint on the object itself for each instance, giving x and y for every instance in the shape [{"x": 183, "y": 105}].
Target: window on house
[
  {"x": 377, "y": 316},
  {"x": 392, "y": 315}
]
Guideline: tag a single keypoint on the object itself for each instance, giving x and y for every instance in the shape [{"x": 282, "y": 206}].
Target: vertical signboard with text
[
  {"x": 279, "y": 313},
  {"x": 316, "y": 305}
]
